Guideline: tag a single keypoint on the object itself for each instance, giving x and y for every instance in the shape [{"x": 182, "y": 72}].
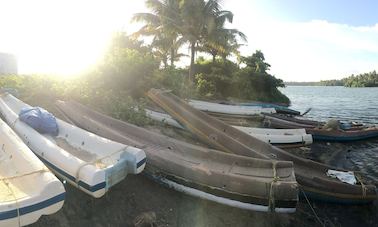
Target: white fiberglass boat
[
  {"x": 90, "y": 162},
  {"x": 28, "y": 189}
]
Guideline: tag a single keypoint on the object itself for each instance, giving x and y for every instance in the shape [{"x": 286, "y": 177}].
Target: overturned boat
[
  {"x": 233, "y": 180},
  {"x": 89, "y": 162},
  {"x": 277, "y": 137},
  {"x": 312, "y": 176},
  {"x": 229, "y": 109},
  {"x": 28, "y": 189}
]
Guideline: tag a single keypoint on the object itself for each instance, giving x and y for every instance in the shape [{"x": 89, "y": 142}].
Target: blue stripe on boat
[
  {"x": 31, "y": 208},
  {"x": 141, "y": 162},
  {"x": 91, "y": 188},
  {"x": 344, "y": 138}
]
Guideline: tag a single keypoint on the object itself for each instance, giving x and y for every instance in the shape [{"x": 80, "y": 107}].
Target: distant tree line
[{"x": 369, "y": 79}]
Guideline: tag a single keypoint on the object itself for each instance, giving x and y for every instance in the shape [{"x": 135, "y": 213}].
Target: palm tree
[
  {"x": 222, "y": 41},
  {"x": 198, "y": 20},
  {"x": 160, "y": 23},
  {"x": 257, "y": 62},
  {"x": 192, "y": 21}
]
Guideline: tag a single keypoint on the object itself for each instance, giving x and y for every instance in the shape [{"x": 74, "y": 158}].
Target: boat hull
[{"x": 206, "y": 173}]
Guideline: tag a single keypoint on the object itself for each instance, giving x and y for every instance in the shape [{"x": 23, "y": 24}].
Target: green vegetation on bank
[
  {"x": 369, "y": 79},
  {"x": 131, "y": 65}
]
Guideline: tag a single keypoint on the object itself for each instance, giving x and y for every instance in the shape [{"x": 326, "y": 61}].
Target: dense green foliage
[
  {"x": 44, "y": 90},
  {"x": 225, "y": 79}
]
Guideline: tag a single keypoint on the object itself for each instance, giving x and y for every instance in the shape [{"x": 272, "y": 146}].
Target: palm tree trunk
[
  {"x": 172, "y": 56},
  {"x": 165, "y": 62},
  {"x": 192, "y": 55}
]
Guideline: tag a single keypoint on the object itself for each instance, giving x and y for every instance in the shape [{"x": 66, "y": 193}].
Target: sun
[{"x": 64, "y": 38}]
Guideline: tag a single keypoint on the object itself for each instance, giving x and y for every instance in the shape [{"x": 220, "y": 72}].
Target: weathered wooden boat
[
  {"x": 229, "y": 109},
  {"x": 310, "y": 175},
  {"x": 307, "y": 122},
  {"x": 353, "y": 133},
  {"x": 229, "y": 179},
  {"x": 89, "y": 162},
  {"x": 277, "y": 137},
  {"x": 28, "y": 189},
  {"x": 270, "y": 121}
]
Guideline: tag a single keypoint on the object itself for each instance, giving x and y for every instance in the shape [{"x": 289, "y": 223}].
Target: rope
[
  {"x": 363, "y": 186},
  {"x": 77, "y": 177},
  {"x": 16, "y": 200},
  {"x": 271, "y": 192},
  {"x": 13, "y": 124},
  {"x": 267, "y": 123},
  {"x": 313, "y": 211},
  {"x": 26, "y": 174}
]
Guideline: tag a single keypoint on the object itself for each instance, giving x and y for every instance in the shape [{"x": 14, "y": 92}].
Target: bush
[
  {"x": 173, "y": 79},
  {"x": 126, "y": 70}
]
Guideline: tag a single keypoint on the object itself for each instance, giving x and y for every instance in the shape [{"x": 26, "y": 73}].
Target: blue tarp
[{"x": 39, "y": 119}]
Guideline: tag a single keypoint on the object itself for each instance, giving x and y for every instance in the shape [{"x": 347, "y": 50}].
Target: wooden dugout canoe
[
  {"x": 310, "y": 175},
  {"x": 234, "y": 180}
]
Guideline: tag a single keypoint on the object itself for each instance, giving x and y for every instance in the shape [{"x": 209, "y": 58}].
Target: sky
[{"x": 308, "y": 40}]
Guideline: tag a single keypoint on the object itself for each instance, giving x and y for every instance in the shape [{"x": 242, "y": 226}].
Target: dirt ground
[{"x": 137, "y": 196}]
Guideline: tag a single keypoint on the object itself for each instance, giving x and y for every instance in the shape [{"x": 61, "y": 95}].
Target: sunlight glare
[{"x": 62, "y": 37}]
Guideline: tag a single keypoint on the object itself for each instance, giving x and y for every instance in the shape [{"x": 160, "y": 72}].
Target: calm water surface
[{"x": 357, "y": 104}]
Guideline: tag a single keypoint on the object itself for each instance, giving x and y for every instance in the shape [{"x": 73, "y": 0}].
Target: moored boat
[
  {"x": 321, "y": 132},
  {"x": 28, "y": 189},
  {"x": 340, "y": 135},
  {"x": 312, "y": 176},
  {"x": 89, "y": 162},
  {"x": 229, "y": 179}
]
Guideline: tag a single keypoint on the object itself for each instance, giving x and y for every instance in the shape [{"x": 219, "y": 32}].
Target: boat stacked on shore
[
  {"x": 89, "y": 162},
  {"x": 28, "y": 189}
]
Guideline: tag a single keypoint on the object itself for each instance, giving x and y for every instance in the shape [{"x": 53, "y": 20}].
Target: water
[{"x": 352, "y": 104}]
